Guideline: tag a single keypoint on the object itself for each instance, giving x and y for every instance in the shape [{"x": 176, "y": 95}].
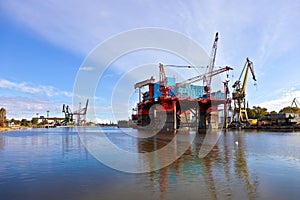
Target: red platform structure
[{"x": 162, "y": 104}]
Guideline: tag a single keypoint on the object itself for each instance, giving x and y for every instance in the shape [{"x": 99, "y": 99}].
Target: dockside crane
[
  {"x": 162, "y": 80},
  {"x": 206, "y": 77},
  {"x": 81, "y": 114},
  {"x": 68, "y": 113},
  {"x": 295, "y": 102},
  {"x": 239, "y": 94}
]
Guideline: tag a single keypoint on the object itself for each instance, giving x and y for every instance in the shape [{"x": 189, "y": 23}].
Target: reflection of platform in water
[{"x": 218, "y": 170}]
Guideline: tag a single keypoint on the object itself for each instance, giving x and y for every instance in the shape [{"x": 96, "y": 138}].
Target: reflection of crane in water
[
  {"x": 224, "y": 156},
  {"x": 241, "y": 167},
  {"x": 219, "y": 169}
]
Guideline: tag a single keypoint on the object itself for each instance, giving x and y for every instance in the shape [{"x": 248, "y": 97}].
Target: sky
[{"x": 44, "y": 44}]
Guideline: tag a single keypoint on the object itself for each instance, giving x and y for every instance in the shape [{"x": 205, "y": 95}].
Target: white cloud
[
  {"x": 246, "y": 28},
  {"x": 26, "y": 87},
  {"x": 87, "y": 68},
  {"x": 80, "y": 25},
  {"x": 101, "y": 121},
  {"x": 25, "y": 107},
  {"x": 261, "y": 30},
  {"x": 284, "y": 100}
]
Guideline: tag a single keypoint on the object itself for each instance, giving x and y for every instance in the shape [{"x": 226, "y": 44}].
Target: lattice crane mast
[
  {"x": 68, "y": 113},
  {"x": 81, "y": 113},
  {"x": 162, "y": 80},
  {"x": 207, "y": 79},
  {"x": 239, "y": 93}
]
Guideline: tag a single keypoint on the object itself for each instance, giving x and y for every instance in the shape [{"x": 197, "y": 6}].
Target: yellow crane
[{"x": 239, "y": 94}]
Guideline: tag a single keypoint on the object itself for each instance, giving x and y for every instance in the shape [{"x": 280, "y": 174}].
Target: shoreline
[
  {"x": 5, "y": 129},
  {"x": 11, "y": 128}
]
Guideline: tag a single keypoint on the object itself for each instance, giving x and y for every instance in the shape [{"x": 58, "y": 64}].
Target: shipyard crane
[
  {"x": 162, "y": 76},
  {"x": 68, "y": 113},
  {"x": 162, "y": 80},
  {"x": 295, "y": 102},
  {"x": 206, "y": 77},
  {"x": 81, "y": 114},
  {"x": 239, "y": 94},
  {"x": 209, "y": 70}
]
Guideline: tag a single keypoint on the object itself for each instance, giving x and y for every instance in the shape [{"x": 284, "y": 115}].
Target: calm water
[{"x": 54, "y": 164}]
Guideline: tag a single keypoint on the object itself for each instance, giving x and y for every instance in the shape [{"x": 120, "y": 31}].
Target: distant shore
[
  {"x": 4, "y": 129},
  {"x": 10, "y": 128}
]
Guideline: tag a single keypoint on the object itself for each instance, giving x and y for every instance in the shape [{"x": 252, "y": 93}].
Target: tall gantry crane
[
  {"x": 81, "y": 114},
  {"x": 239, "y": 94},
  {"x": 68, "y": 113}
]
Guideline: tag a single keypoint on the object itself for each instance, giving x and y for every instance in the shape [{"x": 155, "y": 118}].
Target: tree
[
  {"x": 251, "y": 113},
  {"x": 260, "y": 112},
  {"x": 273, "y": 112},
  {"x": 290, "y": 109},
  {"x": 24, "y": 122},
  {"x": 16, "y": 122},
  {"x": 257, "y": 112},
  {"x": 44, "y": 122},
  {"x": 34, "y": 120}
]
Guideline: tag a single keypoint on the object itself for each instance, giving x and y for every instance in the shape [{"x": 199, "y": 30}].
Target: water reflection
[
  {"x": 41, "y": 143},
  {"x": 53, "y": 164},
  {"x": 221, "y": 171},
  {"x": 2, "y": 142},
  {"x": 241, "y": 167}
]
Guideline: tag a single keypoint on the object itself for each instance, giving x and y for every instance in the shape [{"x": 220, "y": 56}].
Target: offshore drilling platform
[{"x": 182, "y": 104}]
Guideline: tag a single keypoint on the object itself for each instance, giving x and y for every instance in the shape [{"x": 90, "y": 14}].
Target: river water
[{"x": 54, "y": 164}]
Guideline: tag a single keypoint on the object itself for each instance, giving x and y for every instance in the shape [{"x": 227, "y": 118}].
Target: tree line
[{"x": 260, "y": 113}]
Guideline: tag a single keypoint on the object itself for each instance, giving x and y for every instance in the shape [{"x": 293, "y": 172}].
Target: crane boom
[
  {"x": 200, "y": 77},
  {"x": 241, "y": 90},
  {"x": 207, "y": 80},
  {"x": 249, "y": 67}
]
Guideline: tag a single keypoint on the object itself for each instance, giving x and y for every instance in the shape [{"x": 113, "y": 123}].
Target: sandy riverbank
[
  {"x": 10, "y": 128},
  {"x": 5, "y": 129}
]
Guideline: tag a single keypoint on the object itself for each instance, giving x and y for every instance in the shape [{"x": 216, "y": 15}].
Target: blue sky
[{"x": 44, "y": 43}]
